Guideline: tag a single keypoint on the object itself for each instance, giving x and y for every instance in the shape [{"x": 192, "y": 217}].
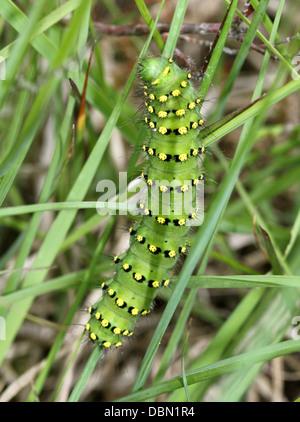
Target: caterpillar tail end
[{"x": 103, "y": 332}]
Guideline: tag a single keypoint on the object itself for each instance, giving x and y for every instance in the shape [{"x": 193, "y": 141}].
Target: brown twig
[
  {"x": 206, "y": 43},
  {"x": 140, "y": 29},
  {"x": 247, "y": 11},
  {"x": 236, "y": 32}
]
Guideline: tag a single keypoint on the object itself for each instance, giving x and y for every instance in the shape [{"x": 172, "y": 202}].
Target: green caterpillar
[{"x": 172, "y": 112}]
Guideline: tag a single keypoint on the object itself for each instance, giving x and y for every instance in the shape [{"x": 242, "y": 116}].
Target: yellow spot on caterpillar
[
  {"x": 162, "y": 156},
  {"x": 162, "y": 114},
  {"x": 150, "y": 151},
  {"x": 90, "y": 308},
  {"x": 145, "y": 93},
  {"x": 130, "y": 334},
  {"x": 181, "y": 222},
  {"x": 194, "y": 125},
  {"x": 119, "y": 302},
  {"x": 150, "y": 109},
  {"x": 144, "y": 147},
  {"x": 166, "y": 71},
  {"x": 182, "y": 130},
  {"x": 193, "y": 215},
  {"x": 176, "y": 93},
  {"x": 170, "y": 60},
  {"x": 145, "y": 87},
  {"x": 183, "y": 249},
  {"x": 163, "y": 188},
  {"x": 184, "y": 188},
  {"x": 125, "y": 333},
  {"x": 172, "y": 254},
  {"x": 162, "y": 130},
  {"x": 134, "y": 311},
  {"x": 155, "y": 284},
  {"x": 201, "y": 122},
  {"x": 106, "y": 344},
  {"x": 202, "y": 150},
  {"x": 163, "y": 98},
  {"x": 146, "y": 119},
  {"x": 97, "y": 315},
  {"x": 198, "y": 101},
  {"x": 152, "y": 125},
  {"x": 139, "y": 238},
  {"x": 117, "y": 330},
  {"x": 118, "y": 344},
  {"x": 146, "y": 104},
  {"x": 195, "y": 152},
  {"x": 152, "y": 248},
  {"x": 180, "y": 112},
  {"x": 182, "y": 157},
  {"x": 147, "y": 212},
  {"x": 149, "y": 182},
  {"x": 125, "y": 266},
  {"x": 93, "y": 336},
  {"x": 155, "y": 82},
  {"x": 161, "y": 220},
  {"x": 191, "y": 106},
  {"x": 145, "y": 312},
  {"x": 183, "y": 84},
  {"x": 189, "y": 76},
  {"x": 110, "y": 292},
  {"x": 166, "y": 282},
  {"x": 116, "y": 258},
  {"x": 195, "y": 182},
  {"x": 201, "y": 176},
  {"x": 142, "y": 206},
  {"x": 138, "y": 276},
  {"x": 88, "y": 326},
  {"x": 104, "y": 323},
  {"x": 152, "y": 97}
]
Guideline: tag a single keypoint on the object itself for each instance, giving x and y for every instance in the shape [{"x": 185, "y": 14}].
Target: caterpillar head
[{"x": 152, "y": 68}]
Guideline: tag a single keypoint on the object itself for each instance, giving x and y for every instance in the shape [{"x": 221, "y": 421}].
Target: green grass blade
[
  {"x": 150, "y": 23},
  {"x": 241, "y": 56},
  {"x": 9, "y": 168},
  {"x": 58, "y": 206},
  {"x": 85, "y": 375},
  {"x": 216, "y": 369},
  {"x": 18, "y": 20},
  {"x": 184, "y": 379},
  {"x": 216, "y": 54},
  {"x": 174, "y": 31},
  {"x": 243, "y": 281},
  {"x": 77, "y": 30}
]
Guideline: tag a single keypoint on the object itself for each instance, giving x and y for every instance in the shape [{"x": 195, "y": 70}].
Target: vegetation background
[{"x": 233, "y": 326}]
